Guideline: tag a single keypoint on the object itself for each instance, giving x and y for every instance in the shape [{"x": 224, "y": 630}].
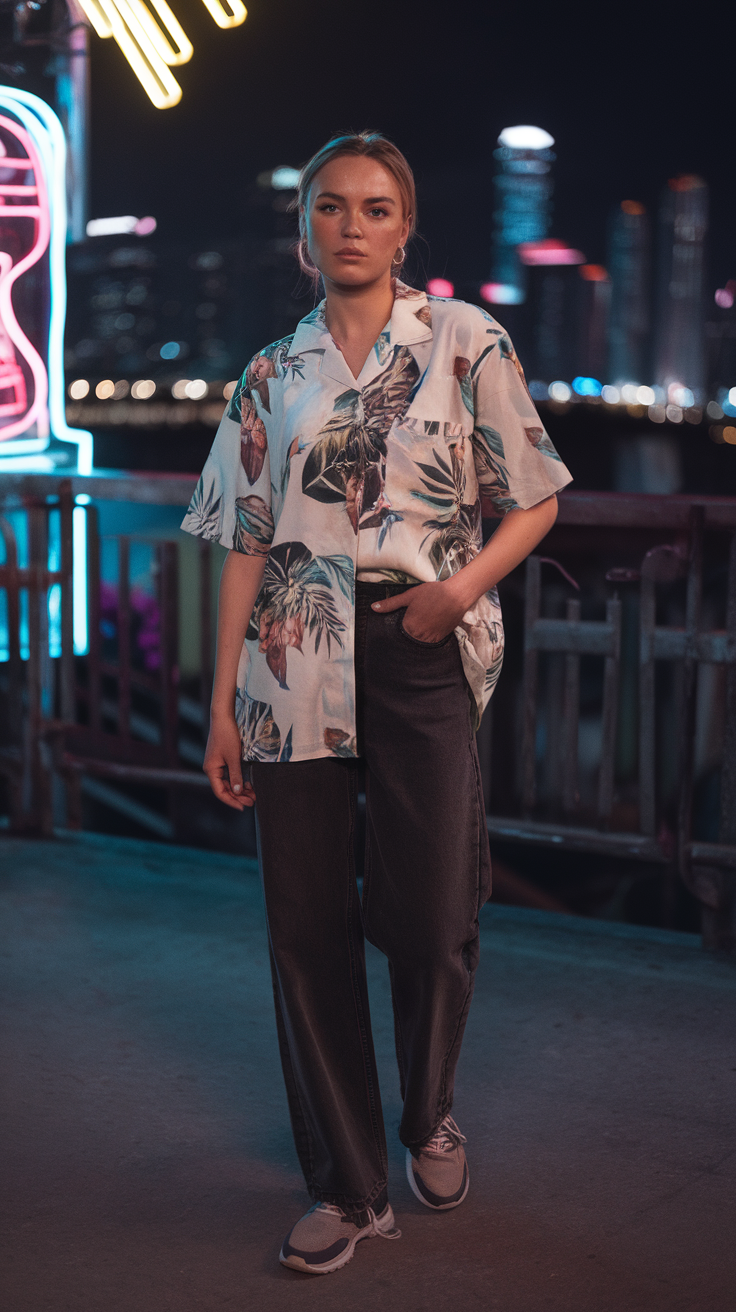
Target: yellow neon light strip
[
  {"x": 147, "y": 48},
  {"x": 159, "y": 84},
  {"x": 147, "y": 22},
  {"x": 238, "y": 13},
  {"x": 96, "y": 17}
]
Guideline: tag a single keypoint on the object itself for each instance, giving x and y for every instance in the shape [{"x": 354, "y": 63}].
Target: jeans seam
[
  {"x": 362, "y": 1026},
  {"x": 471, "y": 980}
]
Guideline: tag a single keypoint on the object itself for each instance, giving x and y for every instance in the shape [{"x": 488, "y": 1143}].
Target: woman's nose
[{"x": 351, "y": 226}]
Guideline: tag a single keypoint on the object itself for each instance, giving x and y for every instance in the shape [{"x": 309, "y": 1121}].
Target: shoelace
[
  {"x": 374, "y": 1226},
  {"x": 445, "y": 1139}
]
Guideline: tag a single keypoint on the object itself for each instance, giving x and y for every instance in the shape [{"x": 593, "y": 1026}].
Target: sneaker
[
  {"x": 438, "y": 1173},
  {"x": 324, "y": 1239}
]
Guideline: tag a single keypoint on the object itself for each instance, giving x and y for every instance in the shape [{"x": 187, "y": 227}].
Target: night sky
[{"x": 632, "y": 93}]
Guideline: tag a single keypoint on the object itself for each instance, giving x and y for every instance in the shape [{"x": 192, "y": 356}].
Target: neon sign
[
  {"x": 155, "y": 42},
  {"x": 33, "y": 308}
]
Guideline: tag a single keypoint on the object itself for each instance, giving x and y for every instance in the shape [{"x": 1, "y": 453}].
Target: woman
[{"x": 359, "y": 627}]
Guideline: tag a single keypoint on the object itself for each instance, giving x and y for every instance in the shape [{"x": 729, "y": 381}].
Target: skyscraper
[
  {"x": 628, "y": 266},
  {"x": 679, "y": 328},
  {"x": 594, "y": 298},
  {"x": 522, "y": 209}
]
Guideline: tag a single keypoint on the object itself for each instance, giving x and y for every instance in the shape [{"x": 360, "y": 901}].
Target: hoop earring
[{"x": 401, "y": 258}]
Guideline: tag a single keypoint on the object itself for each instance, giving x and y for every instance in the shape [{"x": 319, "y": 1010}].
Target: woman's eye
[
  {"x": 377, "y": 213},
  {"x": 328, "y": 206}
]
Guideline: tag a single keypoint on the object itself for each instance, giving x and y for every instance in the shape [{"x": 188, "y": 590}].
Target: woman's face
[{"x": 355, "y": 221}]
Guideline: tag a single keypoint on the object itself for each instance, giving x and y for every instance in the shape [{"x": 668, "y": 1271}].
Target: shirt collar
[{"x": 410, "y": 322}]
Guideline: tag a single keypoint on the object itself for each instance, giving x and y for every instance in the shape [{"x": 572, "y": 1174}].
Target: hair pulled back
[{"x": 372, "y": 145}]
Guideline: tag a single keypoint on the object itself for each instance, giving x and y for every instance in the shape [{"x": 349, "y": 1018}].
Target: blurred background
[{"x": 574, "y": 175}]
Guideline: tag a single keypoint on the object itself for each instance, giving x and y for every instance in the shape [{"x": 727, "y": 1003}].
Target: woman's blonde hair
[{"x": 372, "y": 145}]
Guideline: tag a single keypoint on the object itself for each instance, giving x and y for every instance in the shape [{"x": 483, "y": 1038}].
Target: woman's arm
[
  {"x": 434, "y": 609},
  {"x": 240, "y": 584}
]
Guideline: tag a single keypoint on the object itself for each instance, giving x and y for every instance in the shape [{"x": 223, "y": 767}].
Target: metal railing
[{"x": 120, "y": 717}]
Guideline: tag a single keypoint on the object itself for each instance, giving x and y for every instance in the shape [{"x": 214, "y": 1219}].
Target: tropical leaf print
[
  {"x": 253, "y": 526},
  {"x": 253, "y": 440},
  {"x": 261, "y": 368},
  {"x": 340, "y": 743},
  {"x": 541, "y": 442},
  {"x": 259, "y": 732},
  {"x": 233, "y": 405},
  {"x": 395, "y": 576},
  {"x": 204, "y": 514},
  {"x": 382, "y": 348},
  {"x": 403, "y": 292},
  {"x": 493, "y": 671},
  {"x": 297, "y": 599},
  {"x": 493, "y": 482},
  {"x": 295, "y": 449},
  {"x": 456, "y": 525},
  {"x": 492, "y": 439},
  {"x": 288, "y": 747},
  {"x": 508, "y": 353},
  {"x": 347, "y": 462},
  {"x": 461, "y": 370}
]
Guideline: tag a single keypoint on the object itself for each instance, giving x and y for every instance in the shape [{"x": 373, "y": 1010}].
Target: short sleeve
[
  {"x": 232, "y": 500},
  {"x": 516, "y": 463}
]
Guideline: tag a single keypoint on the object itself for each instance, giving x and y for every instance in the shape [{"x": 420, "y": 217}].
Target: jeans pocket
[{"x": 419, "y": 642}]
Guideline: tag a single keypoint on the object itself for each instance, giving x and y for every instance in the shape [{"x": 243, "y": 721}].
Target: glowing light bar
[
  {"x": 440, "y": 287},
  {"x": 238, "y": 12},
  {"x": 107, "y": 227},
  {"x": 124, "y": 223},
  {"x": 97, "y": 17},
  {"x": 79, "y": 590},
  {"x": 182, "y": 50},
  {"x": 526, "y": 137},
  {"x": 153, "y": 74},
  {"x": 154, "y": 42},
  {"x": 501, "y": 293},
  {"x": 549, "y": 251},
  {"x": 39, "y": 150}
]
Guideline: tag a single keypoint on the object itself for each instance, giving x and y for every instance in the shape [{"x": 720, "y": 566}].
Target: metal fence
[{"x": 598, "y": 730}]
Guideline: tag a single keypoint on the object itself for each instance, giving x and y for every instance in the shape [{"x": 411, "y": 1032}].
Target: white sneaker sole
[
  {"x": 386, "y": 1225},
  {"x": 435, "y": 1207}
]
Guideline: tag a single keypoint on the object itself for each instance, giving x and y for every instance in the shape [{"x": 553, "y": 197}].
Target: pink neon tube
[{"x": 10, "y": 273}]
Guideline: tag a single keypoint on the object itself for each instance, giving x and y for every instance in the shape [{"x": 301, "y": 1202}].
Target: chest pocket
[{"x": 443, "y": 406}]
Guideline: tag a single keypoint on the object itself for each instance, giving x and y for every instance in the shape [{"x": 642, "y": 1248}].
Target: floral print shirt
[{"x": 383, "y": 477}]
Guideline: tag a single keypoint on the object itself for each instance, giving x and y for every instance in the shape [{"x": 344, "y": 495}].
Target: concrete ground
[{"x": 148, "y": 1158}]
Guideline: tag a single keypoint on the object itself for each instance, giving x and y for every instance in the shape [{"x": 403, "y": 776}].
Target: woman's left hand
[{"x": 432, "y": 609}]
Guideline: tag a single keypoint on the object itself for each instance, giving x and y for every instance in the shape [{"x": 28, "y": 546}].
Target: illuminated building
[
  {"x": 551, "y": 329},
  {"x": 146, "y": 308},
  {"x": 720, "y": 341},
  {"x": 628, "y": 264},
  {"x": 33, "y": 281},
  {"x": 594, "y": 297},
  {"x": 522, "y": 209},
  {"x": 679, "y": 292}
]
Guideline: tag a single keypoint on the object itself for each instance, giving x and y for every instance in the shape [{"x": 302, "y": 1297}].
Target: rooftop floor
[{"x": 148, "y": 1157}]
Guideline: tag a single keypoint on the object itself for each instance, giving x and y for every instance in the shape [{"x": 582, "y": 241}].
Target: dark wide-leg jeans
[{"x": 427, "y": 874}]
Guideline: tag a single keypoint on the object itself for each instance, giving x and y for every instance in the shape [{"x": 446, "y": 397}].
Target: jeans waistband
[{"x": 375, "y": 591}]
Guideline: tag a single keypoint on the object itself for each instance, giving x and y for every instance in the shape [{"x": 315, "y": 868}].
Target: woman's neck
[{"x": 355, "y": 317}]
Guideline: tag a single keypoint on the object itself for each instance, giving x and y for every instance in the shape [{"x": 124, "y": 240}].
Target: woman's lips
[{"x": 349, "y": 254}]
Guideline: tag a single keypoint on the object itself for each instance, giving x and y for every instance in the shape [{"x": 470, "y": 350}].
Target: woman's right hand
[{"x": 222, "y": 764}]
